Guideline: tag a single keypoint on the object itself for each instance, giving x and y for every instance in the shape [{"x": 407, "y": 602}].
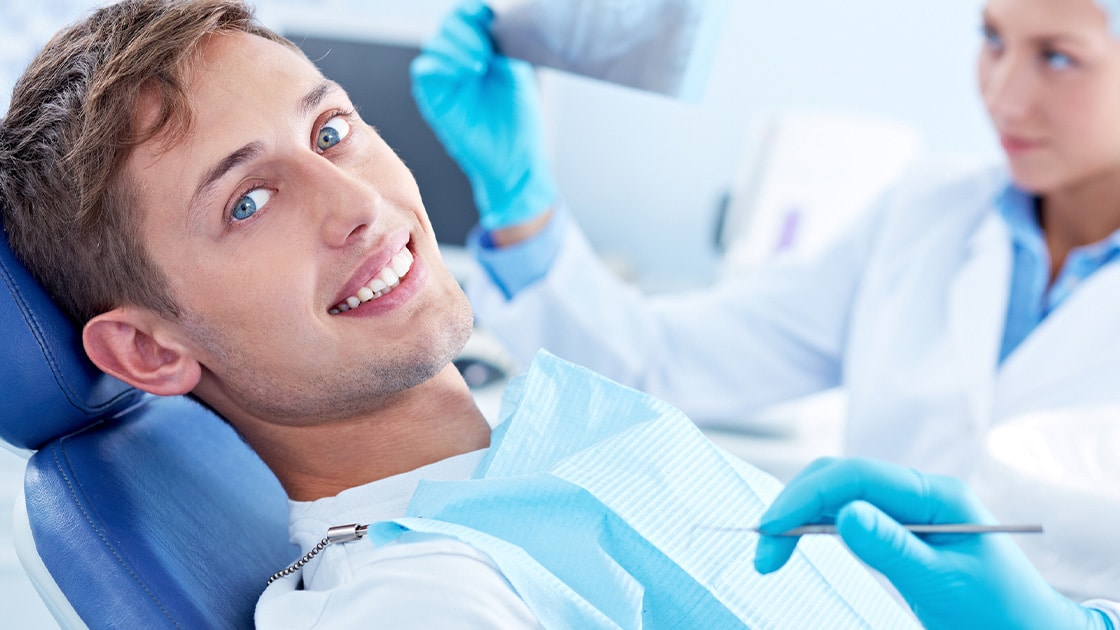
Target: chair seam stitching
[{"x": 89, "y": 520}]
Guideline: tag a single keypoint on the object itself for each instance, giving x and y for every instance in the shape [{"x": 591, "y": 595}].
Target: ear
[{"x": 131, "y": 344}]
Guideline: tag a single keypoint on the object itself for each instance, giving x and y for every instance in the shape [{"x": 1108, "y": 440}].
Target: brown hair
[{"x": 69, "y": 212}]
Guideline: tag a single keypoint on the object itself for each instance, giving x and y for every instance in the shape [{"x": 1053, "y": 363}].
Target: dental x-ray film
[{"x": 662, "y": 46}]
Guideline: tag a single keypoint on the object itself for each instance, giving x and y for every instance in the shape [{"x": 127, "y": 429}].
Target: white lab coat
[{"x": 905, "y": 311}]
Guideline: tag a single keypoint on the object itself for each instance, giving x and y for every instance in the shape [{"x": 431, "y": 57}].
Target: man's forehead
[{"x": 229, "y": 76}]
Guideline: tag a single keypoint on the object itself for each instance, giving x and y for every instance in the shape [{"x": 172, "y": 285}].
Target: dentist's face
[
  {"x": 295, "y": 241},
  {"x": 1049, "y": 74}
]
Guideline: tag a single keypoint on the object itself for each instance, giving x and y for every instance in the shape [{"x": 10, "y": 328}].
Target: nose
[
  {"x": 345, "y": 204},
  {"x": 1008, "y": 85}
]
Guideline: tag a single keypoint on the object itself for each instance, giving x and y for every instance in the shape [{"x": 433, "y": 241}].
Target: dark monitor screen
[{"x": 375, "y": 74}]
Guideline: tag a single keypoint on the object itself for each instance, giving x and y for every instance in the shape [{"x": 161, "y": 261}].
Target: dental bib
[{"x": 606, "y": 508}]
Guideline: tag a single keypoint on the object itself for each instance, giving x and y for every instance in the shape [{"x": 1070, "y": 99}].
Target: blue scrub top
[{"x": 1032, "y": 297}]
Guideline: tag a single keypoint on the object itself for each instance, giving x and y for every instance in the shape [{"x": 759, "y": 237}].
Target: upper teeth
[{"x": 382, "y": 283}]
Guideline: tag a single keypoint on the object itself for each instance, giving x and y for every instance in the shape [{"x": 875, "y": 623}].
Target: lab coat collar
[
  {"x": 1076, "y": 343},
  {"x": 1081, "y": 336},
  {"x": 1048, "y": 368}
]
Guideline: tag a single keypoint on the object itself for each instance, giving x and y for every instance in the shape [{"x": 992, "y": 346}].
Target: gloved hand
[
  {"x": 485, "y": 109},
  {"x": 949, "y": 580}
]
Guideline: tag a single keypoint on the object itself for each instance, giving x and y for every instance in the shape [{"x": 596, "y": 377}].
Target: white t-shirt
[{"x": 430, "y": 582}]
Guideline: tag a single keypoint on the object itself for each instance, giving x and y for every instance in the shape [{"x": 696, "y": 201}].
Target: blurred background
[{"x": 810, "y": 108}]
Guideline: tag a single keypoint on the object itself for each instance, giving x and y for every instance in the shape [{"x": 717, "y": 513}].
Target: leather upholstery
[
  {"x": 162, "y": 519},
  {"x": 48, "y": 387}
]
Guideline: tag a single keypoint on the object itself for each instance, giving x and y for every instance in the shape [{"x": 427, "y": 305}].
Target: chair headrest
[{"x": 48, "y": 387}]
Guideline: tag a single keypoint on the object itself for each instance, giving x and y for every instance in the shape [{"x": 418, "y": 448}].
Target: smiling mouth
[{"x": 381, "y": 284}]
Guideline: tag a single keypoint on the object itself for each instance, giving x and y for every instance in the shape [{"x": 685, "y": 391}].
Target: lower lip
[
  {"x": 1015, "y": 147},
  {"x": 409, "y": 286}
]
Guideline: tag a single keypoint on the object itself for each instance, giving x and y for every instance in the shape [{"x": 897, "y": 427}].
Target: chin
[
  {"x": 1033, "y": 179},
  {"x": 459, "y": 328},
  {"x": 444, "y": 341}
]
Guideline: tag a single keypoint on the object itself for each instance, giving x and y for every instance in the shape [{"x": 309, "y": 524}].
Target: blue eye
[
  {"x": 992, "y": 39},
  {"x": 249, "y": 203},
  {"x": 1058, "y": 61},
  {"x": 332, "y": 133}
]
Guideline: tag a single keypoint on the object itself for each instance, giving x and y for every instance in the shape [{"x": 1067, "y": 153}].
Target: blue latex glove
[
  {"x": 485, "y": 110},
  {"x": 949, "y": 580}
]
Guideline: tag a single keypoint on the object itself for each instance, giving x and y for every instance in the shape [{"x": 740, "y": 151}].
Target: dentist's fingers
[{"x": 464, "y": 37}]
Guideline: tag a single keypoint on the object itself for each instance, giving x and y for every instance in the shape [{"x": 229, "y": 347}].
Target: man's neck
[{"x": 428, "y": 423}]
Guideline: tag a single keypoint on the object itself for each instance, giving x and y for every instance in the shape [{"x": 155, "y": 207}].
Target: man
[
  {"x": 222, "y": 224},
  {"x": 230, "y": 205}
]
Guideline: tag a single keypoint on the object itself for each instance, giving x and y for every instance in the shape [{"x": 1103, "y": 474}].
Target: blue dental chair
[{"x": 141, "y": 512}]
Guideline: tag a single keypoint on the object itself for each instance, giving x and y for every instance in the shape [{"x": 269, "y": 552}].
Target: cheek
[
  {"x": 1090, "y": 122},
  {"x": 390, "y": 174},
  {"x": 395, "y": 183},
  {"x": 253, "y": 286},
  {"x": 1108, "y": 119}
]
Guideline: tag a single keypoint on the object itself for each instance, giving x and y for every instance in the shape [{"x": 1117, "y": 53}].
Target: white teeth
[
  {"x": 402, "y": 262},
  {"x": 389, "y": 277},
  {"x": 382, "y": 283}
]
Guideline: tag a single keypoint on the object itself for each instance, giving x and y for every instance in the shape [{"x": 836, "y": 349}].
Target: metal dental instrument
[{"x": 944, "y": 528}]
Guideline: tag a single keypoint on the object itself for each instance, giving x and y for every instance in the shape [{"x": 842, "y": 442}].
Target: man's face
[{"x": 279, "y": 211}]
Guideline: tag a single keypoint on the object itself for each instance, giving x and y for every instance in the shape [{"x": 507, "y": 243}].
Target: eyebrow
[
  {"x": 241, "y": 156},
  {"x": 252, "y": 150},
  {"x": 312, "y": 99}
]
